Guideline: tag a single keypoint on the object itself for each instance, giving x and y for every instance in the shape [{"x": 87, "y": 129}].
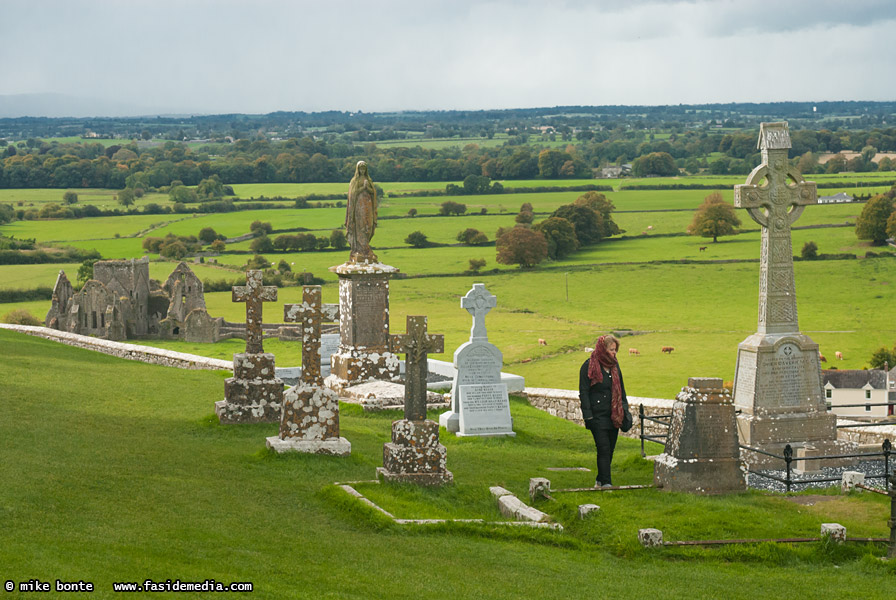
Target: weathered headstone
[
  {"x": 479, "y": 401},
  {"x": 777, "y": 385},
  {"x": 328, "y": 343},
  {"x": 415, "y": 455},
  {"x": 254, "y": 394},
  {"x": 702, "y": 454},
  {"x": 310, "y": 418}
]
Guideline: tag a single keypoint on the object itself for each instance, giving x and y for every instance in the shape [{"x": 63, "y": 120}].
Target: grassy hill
[{"x": 118, "y": 471}]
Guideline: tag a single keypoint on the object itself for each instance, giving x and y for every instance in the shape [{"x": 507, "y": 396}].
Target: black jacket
[{"x": 597, "y": 400}]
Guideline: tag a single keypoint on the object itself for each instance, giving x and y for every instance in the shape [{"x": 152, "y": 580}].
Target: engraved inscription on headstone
[
  {"x": 484, "y": 410},
  {"x": 370, "y": 314},
  {"x": 329, "y": 345}
]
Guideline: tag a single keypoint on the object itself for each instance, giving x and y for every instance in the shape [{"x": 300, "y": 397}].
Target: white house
[
  {"x": 837, "y": 198},
  {"x": 872, "y": 386}
]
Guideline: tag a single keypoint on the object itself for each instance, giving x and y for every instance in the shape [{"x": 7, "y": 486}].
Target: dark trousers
[{"x": 605, "y": 442}]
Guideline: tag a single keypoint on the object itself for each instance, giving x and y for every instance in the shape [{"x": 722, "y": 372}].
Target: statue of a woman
[{"x": 360, "y": 217}]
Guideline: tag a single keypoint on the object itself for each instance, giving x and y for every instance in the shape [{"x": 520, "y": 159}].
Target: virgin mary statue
[{"x": 360, "y": 217}]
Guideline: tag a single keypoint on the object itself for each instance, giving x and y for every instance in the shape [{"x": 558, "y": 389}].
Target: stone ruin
[
  {"x": 310, "y": 416},
  {"x": 415, "y": 455},
  {"x": 121, "y": 302},
  {"x": 702, "y": 455},
  {"x": 254, "y": 394}
]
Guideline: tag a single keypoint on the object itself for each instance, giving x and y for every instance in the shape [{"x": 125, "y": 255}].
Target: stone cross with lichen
[
  {"x": 478, "y": 302},
  {"x": 311, "y": 312},
  {"x": 416, "y": 343},
  {"x": 775, "y": 195},
  {"x": 254, "y": 294}
]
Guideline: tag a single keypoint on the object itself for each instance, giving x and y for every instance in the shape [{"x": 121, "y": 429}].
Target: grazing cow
[
  {"x": 542, "y": 342},
  {"x": 668, "y": 349},
  {"x": 702, "y": 248},
  {"x": 839, "y": 355},
  {"x": 821, "y": 357},
  {"x": 633, "y": 351}
]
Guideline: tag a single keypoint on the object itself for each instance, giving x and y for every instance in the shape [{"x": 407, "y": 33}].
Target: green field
[{"x": 117, "y": 471}]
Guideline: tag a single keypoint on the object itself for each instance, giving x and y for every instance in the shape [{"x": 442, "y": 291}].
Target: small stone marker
[
  {"x": 539, "y": 487},
  {"x": 850, "y": 480},
  {"x": 415, "y": 455},
  {"x": 835, "y": 531},
  {"x": 702, "y": 453},
  {"x": 777, "y": 384},
  {"x": 650, "y": 538},
  {"x": 479, "y": 401},
  {"x": 587, "y": 509},
  {"x": 254, "y": 394},
  {"x": 310, "y": 418}
]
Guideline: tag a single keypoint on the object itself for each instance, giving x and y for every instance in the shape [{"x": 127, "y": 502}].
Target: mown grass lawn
[{"x": 118, "y": 471}]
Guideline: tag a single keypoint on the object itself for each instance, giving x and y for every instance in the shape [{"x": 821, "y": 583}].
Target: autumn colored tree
[
  {"x": 713, "y": 218},
  {"x": 521, "y": 246}
]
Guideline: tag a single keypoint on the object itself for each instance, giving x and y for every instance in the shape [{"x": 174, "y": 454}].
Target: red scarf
[{"x": 601, "y": 358}]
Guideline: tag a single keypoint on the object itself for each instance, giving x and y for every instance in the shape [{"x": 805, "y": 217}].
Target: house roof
[{"x": 854, "y": 378}]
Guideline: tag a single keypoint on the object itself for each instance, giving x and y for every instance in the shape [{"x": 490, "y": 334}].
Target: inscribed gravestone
[
  {"x": 478, "y": 377},
  {"x": 310, "y": 418},
  {"x": 777, "y": 384}
]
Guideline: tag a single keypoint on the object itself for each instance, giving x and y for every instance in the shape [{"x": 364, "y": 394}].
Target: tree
[
  {"x": 412, "y": 212},
  {"x": 873, "y": 221},
  {"x": 655, "y": 163},
  {"x": 882, "y": 357},
  {"x": 175, "y": 249},
  {"x": 259, "y": 228},
  {"x": 472, "y": 237},
  {"x": 261, "y": 244},
  {"x": 713, "y": 218},
  {"x": 7, "y": 214},
  {"x": 208, "y": 235},
  {"x": 476, "y": 264},
  {"x": 283, "y": 266},
  {"x": 525, "y": 217},
  {"x": 85, "y": 271},
  {"x": 588, "y": 227},
  {"x": 126, "y": 197},
  {"x": 258, "y": 262},
  {"x": 452, "y": 208},
  {"x": 337, "y": 239},
  {"x": 210, "y": 188},
  {"x": 560, "y": 235},
  {"x": 809, "y": 251},
  {"x": 218, "y": 246},
  {"x": 182, "y": 194},
  {"x": 417, "y": 239},
  {"x": 604, "y": 208},
  {"x": 521, "y": 246},
  {"x": 70, "y": 197},
  {"x": 891, "y": 225}
]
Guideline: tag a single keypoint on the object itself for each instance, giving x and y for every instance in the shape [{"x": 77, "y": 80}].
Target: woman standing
[{"x": 604, "y": 403}]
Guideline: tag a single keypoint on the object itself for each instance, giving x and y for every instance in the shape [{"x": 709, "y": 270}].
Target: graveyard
[{"x": 157, "y": 475}]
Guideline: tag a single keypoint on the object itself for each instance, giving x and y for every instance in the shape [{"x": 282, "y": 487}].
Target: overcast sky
[{"x": 258, "y": 56}]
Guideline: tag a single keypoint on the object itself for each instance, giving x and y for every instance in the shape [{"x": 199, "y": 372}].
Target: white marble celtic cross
[
  {"x": 478, "y": 302},
  {"x": 775, "y": 195},
  {"x": 254, "y": 293}
]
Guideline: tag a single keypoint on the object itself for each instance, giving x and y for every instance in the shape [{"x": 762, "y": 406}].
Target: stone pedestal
[
  {"x": 701, "y": 454},
  {"x": 363, "y": 326},
  {"x": 415, "y": 455},
  {"x": 310, "y": 422},
  {"x": 254, "y": 394},
  {"x": 778, "y": 390}
]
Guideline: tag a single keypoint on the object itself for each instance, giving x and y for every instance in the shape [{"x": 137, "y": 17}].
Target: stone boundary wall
[
  {"x": 565, "y": 404},
  {"x": 146, "y": 354}
]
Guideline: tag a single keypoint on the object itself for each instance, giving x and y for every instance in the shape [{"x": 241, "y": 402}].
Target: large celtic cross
[
  {"x": 254, "y": 293},
  {"x": 775, "y": 195},
  {"x": 417, "y": 343},
  {"x": 478, "y": 302}
]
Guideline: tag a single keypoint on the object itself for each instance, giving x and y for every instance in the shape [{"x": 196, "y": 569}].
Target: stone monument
[
  {"x": 254, "y": 394},
  {"x": 479, "y": 402},
  {"x": 310, "y": 418},
  {"x": 702, "y": 454},
  {"x": 329, "y": 342},
  {"x": 777, "y": 385},
  {"x": 363, "y": 296},
  {"x": 415, "y": 455}
]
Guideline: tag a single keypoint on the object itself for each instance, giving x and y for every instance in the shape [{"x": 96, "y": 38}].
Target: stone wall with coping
[
  {"x": 565, "y": 404},
  {"x": 157, "y": 356}
]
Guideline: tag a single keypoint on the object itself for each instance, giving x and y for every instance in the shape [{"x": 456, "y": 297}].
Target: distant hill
[{"x": 61, "y": 105}]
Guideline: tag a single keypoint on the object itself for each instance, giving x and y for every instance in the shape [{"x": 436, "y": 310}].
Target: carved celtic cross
[
  {"x": 254, "y": 293},
  {"x": 478, "y": 302},
  {"x": 417, "y": 343},
  {"x": 775, "y": 195}
]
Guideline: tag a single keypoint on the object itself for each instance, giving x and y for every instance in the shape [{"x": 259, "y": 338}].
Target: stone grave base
[
  {"x": 310, "y": 412},
  {"x": 264, "y": 412},
  {"x": 500, "y": 434},
  {"x": 386, "y": 395},
  {"x": 701, "y": 476},
  {"x": 254, "y": 394},
  {"x": 350, "y": 367},
  {"x": 333, "y": 446},
  {"x": 415, "y": 455}
]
